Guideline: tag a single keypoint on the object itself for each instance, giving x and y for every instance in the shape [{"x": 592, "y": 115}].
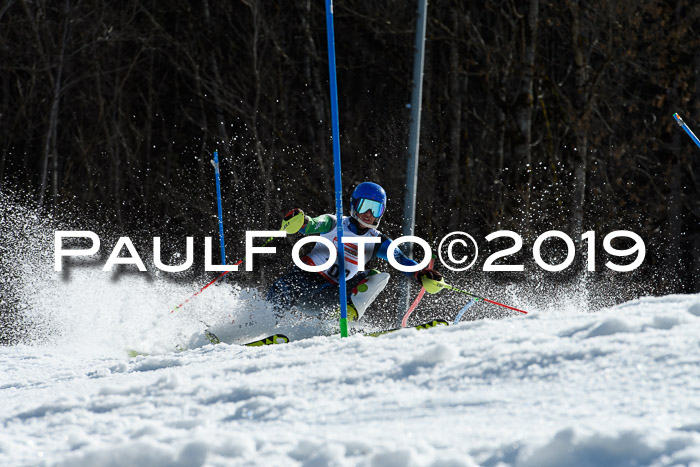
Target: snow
[{"x": 556, "y": 387}]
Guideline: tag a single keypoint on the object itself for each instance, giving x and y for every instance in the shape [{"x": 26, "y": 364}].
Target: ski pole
[
  {"x": 682, "y": 124},
  {"x": 469, "y": 304},
  {"x": 415, "y": 303},
  {"x": 433, "y": 286},
  {"x": 413, "y": 306},
  {"x": 212, "y": 281},
  {"x": 448, "y": 286},
  {"x": 202, "y": 289}
]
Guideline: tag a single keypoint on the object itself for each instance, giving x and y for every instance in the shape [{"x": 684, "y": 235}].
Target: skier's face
[{"x": 367, "y": 217}]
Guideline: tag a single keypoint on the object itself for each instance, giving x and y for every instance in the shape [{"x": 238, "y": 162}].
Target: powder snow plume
[{"x": 86, "y": 309}]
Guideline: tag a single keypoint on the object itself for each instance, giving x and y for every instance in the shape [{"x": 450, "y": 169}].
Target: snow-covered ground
[{"x": 555, "y": 387}]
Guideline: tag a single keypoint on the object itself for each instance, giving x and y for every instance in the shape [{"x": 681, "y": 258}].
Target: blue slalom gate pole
[
  {"x": 682, "y": 124},
  {"x": 218, "y": 200},
  {"x": 336, "y": 167}
]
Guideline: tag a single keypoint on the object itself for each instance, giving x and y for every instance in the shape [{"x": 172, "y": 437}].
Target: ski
[
  {"x": 211, "y": 337},
  {"x": 430, "y": 324},
  {"x": 282, "y": 339},
  {"x": 269, "y": 340}
]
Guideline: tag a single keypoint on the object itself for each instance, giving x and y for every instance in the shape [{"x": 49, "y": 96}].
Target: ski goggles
[{"x": 363, "y": 205}]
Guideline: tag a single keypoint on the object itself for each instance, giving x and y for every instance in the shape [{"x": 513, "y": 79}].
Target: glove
[
  {"x": 429, "y": 273},
  {"x": 293, "y": 221},
  {"x": 430, "y": 279}
]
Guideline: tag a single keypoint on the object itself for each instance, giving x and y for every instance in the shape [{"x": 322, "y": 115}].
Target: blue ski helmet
[{"x": 368, "y": 196}]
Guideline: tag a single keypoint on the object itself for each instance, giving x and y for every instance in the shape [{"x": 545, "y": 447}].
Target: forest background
[{"x": 537, "y": 115}]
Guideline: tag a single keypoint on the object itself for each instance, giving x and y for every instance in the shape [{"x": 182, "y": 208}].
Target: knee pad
[{"x": 364, "y": 293}]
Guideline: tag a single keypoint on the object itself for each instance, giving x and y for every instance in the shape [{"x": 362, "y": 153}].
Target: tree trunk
[
  {"x": 50, "y": 150},
  {"x": 455, "y": 104},
  {"x": 694, "y": 282},
  {"x": 313, "y": 78},
  {"x": 524, "y": 105},
  {"x": 265, "y": 171},
  {"x": 217, "y": 93},
  {"x": 674, "y": 262},
  {"x": 581, "y": 115}
]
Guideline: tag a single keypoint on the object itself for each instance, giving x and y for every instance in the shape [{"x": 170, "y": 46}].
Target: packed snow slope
[{"x": 616, "y": 387}]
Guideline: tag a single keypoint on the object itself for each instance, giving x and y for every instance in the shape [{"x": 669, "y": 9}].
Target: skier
[{"x": 319, "y": 290}]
